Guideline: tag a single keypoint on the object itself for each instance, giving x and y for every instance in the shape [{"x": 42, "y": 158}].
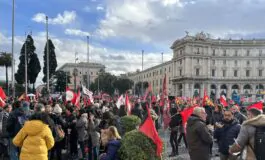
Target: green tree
[
  {"x": 106, "y": 83},
  {"x": 6, "y": 61},
  {"x": 61, "y": 77},
  {"x": 52, "y": 61},
  {"x": 123, "y": 85},
  {"x": 20, "y": 75},
  {"x": 34, "y": 69}
]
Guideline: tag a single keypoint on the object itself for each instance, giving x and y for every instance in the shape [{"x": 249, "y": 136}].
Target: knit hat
[{"x": 57, "y": 109}]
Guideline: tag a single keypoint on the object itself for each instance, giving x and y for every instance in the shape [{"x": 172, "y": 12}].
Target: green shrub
[
  {"x": 129, "y": 123},
  {"x": 137, "y": 146}
]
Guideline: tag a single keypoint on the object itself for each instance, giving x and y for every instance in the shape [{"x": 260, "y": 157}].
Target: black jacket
[
  {"x": 225, "y": 136},
  {"x": 175, "y": 121},
  {"x": 199, "y": 138}
]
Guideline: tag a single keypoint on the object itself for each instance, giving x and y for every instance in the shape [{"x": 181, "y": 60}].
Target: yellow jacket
[{"x": 35, "y": 139}]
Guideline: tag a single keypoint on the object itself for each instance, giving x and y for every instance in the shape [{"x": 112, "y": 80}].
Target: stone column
[
  {"x": 202, "y": 89},
  {"x": 186, "y": 89},
  {"x": 192, "y": 89},
  {"x": 229, "y": 90},
  {"x": 217, "y": 91}
]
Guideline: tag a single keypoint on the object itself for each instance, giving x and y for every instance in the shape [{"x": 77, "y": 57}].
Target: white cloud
[
  {"x": 100, "y": 8},
  {"x": 116, "y": 61},
  {"x": 76, "y": 32},
  {"x": 166, "y": 20},
  {"x": 65, "y": 18}
]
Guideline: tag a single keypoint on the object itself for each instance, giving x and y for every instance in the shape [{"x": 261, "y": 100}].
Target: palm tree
[{"x": 6, "y": 61}]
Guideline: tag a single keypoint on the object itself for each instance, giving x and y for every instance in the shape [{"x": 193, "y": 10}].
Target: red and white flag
[
  {"x": 2, "y": 97},
  {"x": 120, "y": 101},
  {"x": 127, "y": 104},
  {"x": 223, "y": 101}
]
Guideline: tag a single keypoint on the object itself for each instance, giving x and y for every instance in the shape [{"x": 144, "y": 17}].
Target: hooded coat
[
  {"x": 246, "y": 136},
  {"x": 199, "y": 138},
  {"x": 35, "y": 139}
]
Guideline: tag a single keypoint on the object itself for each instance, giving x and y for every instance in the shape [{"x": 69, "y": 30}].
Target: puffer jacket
[
  {"x": 35, "y": 139},
  {"x": 246, "y": 136},
  {"x": 112, "y": 150},
  {"x": 225, "y": 136},
  {"x": 199, "y": 138},
  {"x": 81, "y": 126}
]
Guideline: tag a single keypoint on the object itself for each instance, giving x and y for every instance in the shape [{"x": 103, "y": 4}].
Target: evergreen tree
[
  {"x": 61, "y": 77},
  {"x": 52, "y": 61},
  {"x": 20, "y": 75},
  {"x": 34, "y": 69}
]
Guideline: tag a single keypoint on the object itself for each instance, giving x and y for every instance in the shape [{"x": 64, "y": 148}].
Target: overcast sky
[{"x": 120, "y": 29}]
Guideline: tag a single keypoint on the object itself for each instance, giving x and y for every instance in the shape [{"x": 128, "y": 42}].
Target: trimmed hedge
[
  {"x": 137, "y": 146},
  {"x": 129, "y": 123}
]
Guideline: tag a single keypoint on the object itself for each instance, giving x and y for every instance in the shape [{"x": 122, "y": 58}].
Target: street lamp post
[
  {"x": 26, "y": 67},
  {"x": 13, "y": 59},
  {"x": 47, "y": 58}
]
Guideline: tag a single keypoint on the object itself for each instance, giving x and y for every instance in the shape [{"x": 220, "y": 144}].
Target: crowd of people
[{"x": 51, "y": 130}]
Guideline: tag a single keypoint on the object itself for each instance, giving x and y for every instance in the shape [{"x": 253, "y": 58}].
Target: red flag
[
  {"x": 148, "y": 129},
  {"x": 185, "y": 114},
  {"x": 258, "y": 106},
  {"x": 127, "y": 104},
  {"x": 2, "y": 102},
  {"x": 166, "y": 116},
  {"x": 2, "y": 94},
  {"x": 153, "y": 99},
  {"x": 149, "y": 90},
  {"x": 77, "y": 100},
  {"x": 223, "y": 101}
]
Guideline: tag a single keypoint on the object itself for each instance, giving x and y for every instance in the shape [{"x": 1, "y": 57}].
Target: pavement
[{"x": 183, "y": 152}]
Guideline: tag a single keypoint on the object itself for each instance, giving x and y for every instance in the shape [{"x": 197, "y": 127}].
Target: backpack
[
  {"x": 59, "y": 133},
  {"x": 259, "y": 143}
]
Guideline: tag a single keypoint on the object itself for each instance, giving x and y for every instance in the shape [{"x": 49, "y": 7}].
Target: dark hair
[
  {"x": 122, "y": 111},
  {"x": 254, "y": 112},
  {"x": 44, "y": 117},
  {"x": 17, "y": 104}
]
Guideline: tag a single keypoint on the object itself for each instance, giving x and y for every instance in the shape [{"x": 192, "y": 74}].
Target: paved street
[{"x": 183, "y": 152}]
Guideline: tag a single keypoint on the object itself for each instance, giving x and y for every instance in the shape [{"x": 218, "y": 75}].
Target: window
[
  {"x": 80, "y": 73},
  {"x": 165, "y": 69},
  {"x": 161, "y": 81},
  {"x": 198, "y": 61},
  {"x": 160, "y": 71},
  {"x": 235, "y": 73},
  {"x": 213, "y": 62},
  {"x": 180, "y": 72},
  {"x": 213, "y": 52},
  {"x": 180, "y": 62},
  {"x": 198, "y": 50},
  {"x": 144, "y": 75},
  {"x": 168, "y": 69},
  {"x": 224, "y": 53},
  {"x": 91, "y": 73},
  {"x": 224, "y": 62},
  {"x": 260, "y": 61},
  {"x": 247, "y": 73},
  {"x": 248, "y": 52},
  {"x": 260, "y": 52},
  {"x": 224, "y": 73},
  {"x": 157, "y": 82},
  {"x": 197, "y": 71},
  {"x": 236, "y": 52},
  {"x": 260, "y": 73},
  {"x": 213, "y": 72},
  {"x": 235, "y": 62},
  {"x": 248, "y": 62},
  {"x": 180, "y": 52}
]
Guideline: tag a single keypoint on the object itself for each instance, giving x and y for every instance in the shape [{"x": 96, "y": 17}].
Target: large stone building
[
  {"x": 86, "y": 73},
  {"x": 216, "y": 65}
]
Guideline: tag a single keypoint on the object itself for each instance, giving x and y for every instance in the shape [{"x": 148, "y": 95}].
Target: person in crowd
[
  {"x": 15, "y": 122},
  {"x": 122, "y": 111},
  {"x": 246, "y": 137},
  {"x": 82, "y": 126},
  {"x": 137, "y": 111},
  {"x": 4, "y": 114},
  {"x": 94, "y": 144},
  {"x": 35, "y": 138},
  {"x": 225, "y": 134},
  {"x": 59, "y": 122},
  {"x": 174, "y": 126},
  {"x": 113, "y": 145},
  {"x": 182, "y": 133},
  {"x": 217, "y": 114},
  {"x": 72, "y": 131},
  {"x": 237, "y": 114},
  {"x": 199, "y": 137}
]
